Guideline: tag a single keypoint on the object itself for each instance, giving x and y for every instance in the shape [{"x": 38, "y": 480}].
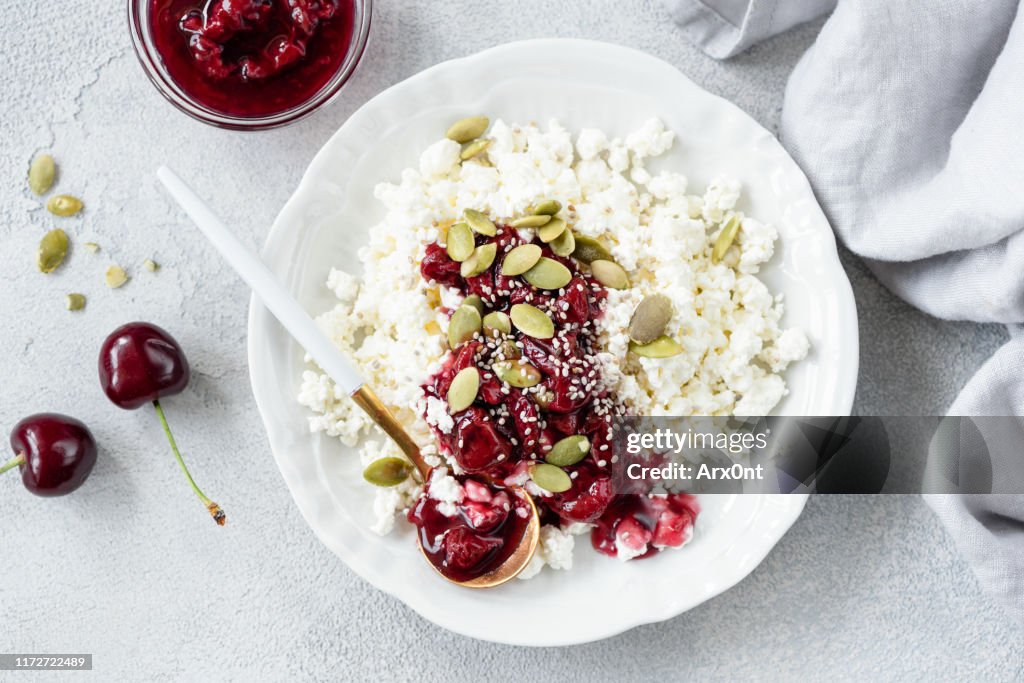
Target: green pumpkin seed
[
  {"x": 460, "y": 242},
  {"x": 52, "y": 250},
  {"x": 564, "y": 244},
  {"x": 650, "y": 318},
  {"x": 548, "y": 207},
  {"x": 468, "y": 129},
  {"x": 550, "y": 478},
  {"x": 610, "y": 274},
  {"x": 64, "y": 205},
  {"x": 532, "y": 321},
  {"x": 530, "y": 221},
  {"x": 476, "y": 302},
  {"x": 471, "y": 149},
  {"x": 548, "y": 274},
  {"x": 725, "y": 239},
  {"x": 387, "y": 472},
  {"x": 520, "y": 259},
  {"x": 543, "y": 397},
  {"x": 115, "y": 277},
  {"x": 509, "y": 350},
  {"x": 76, "y": 302},
  {"x": 463, "y": 390},
  {"x": 662, "y": 347},
  {"x": 569, "y": 451},
  {"x": 551, "y": 230},
  {"x": 481, "y": 260},
  {"x": 517, "y": 373},
  {"x": 464, "y": 324},
  {"x": 92, "y": 247},
  {"x": 496, "y": 324},
  {"x": 41, "y": 174},
  {"x": 589, "y": 250},
  {"x": 480, "y": 223}
]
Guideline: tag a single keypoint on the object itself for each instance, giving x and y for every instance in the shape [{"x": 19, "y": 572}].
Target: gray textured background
[{"x": 130, "y": 569}]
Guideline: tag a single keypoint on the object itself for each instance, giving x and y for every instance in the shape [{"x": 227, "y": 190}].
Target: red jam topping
[
  {"x": 507, "y": 428},
  {"x": 251, "y": 57}
]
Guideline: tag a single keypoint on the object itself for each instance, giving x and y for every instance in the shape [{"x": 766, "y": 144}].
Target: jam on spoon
[{"x": 55, "y": 453}]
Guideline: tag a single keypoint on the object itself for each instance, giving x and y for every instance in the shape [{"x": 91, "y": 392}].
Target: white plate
[{"x": 581, "y": 83}]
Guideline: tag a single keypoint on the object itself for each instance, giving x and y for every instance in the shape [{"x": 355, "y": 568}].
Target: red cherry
[
  {"x": 55, "y": 452},
  {"x": 139, "y": 363},
  {"x": 465, "y": 549}
]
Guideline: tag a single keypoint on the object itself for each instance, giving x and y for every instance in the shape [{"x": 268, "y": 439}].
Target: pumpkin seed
[
  {"x": 387, "y": 472},
  {"x": 610, "y": 274},
  {"x": 471, "y": 149},
  {"x": 520, "y": 259},
  {"x": 468, "y": 129},
  {"x": 589, "y": 250},
  {"x": 463, "y": 390},
  {"x": 496, "y": 324},
  {"x": 725, "y": 239},
  {"x": 52, "y": 250},
  {"x": 550, "y": 478},
  {"x": 480, "y": 223},
  {"x": 151, "y": 265},
  {"x": 76, "y": 302},
  {"x": 509, "y": 350},
  {"x": 92, "y": 247},
  {"x": 64, "y": 205},
  {"x": 517, "y": 373},
  {"x": 532, "y": 321},
  {"x": 548, "y": 274},
  {"x": 564, "y": 244},
  {"x": 464, "y": 324},
  {"x": 569, "y": 451},
  {"x": 551, "y": 230},
  {"x": 548, "y": 207},
  {"x": 530, "y": 221},
  {"x": 481, "y": 260},
  {"x": 116, "y": 277},
  {"x": 649, "y": 319},
  {"x": 41, "y": 174},
  {"x": 460, "y": 242},
  {"x": 475, "y": 301},
  {"x": 543, "y": 397},
  {"x": 662, "y": 347}
]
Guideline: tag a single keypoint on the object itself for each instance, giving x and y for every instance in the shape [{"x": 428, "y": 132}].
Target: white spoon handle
[{"x": 264, "y": 284}]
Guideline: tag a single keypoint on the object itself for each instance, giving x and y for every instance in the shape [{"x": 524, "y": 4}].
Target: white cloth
[{"x": 908, "y": 118}]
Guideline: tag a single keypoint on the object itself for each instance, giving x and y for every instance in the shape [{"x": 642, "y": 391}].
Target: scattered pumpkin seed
[
  {"x": 476, "y": 302},
  {"x": 64, "y": 205},
  {"x": 589, "y": 250},
  {"x": 610, "y": 274},
  {"x": 543, "y": 397},
  {"x": 481, "y": 260},
  {"x": 460, "y": 242},
  {"x": 510, "y": 351},
  {"x": 151, "y": 265},
  {"x": 532, "y": 321},
  {"x": 468, "y": 129},
  {"x": 569, "y": 451},
  {"x": 530, "y": 221},
  {"x": 53, "y": 248},
  {"x": 550, "y": 478},
  {"x": 548, "y": 207},
  {"x": 464, "y": 324},
  {"x": 480, "y": 223},
  {"x": 496, "y": 324},
  {"x": 387, "y": 472},
  {"x": 520, "y": 259},
  {"x": 116, "y": 277},
  {"x": 551, "y": 230},
  {"x": 564, "y": 244},
  {"x": 41, "y": 174},
  {"x": 471, "y": 149},
  {"x": 725, "y": 238},
  {"x": 662, "y": 347},
  {"x": 463, "y": 390},
  {"x": 649, "y": 318},
  {"x": 548, "y": 274},
  {"x": 76, "y": 302},
  {"x": 517, "y": 373},
  {"x": 92, "y": 247}
]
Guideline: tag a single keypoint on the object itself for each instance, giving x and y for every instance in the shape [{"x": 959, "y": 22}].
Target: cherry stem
[
  {"x": 214, "y": 509},
  {"x": 11, "y": 464}
]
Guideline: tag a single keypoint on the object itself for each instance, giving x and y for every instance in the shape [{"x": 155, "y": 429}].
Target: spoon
[{"x": 302, "y": 328}]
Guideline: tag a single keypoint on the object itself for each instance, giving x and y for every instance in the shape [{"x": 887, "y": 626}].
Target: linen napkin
[{"x": 908, "y": 118}]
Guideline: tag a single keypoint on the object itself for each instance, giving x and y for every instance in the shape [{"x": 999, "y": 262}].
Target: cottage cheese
[{"x": 391, "y": 323}]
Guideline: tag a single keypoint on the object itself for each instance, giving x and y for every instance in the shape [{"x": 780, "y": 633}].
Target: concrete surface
[{"x": 130, "y": 569}]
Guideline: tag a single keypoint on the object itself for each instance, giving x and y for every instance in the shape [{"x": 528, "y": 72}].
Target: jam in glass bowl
[{"x": 249, "y": 64}]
